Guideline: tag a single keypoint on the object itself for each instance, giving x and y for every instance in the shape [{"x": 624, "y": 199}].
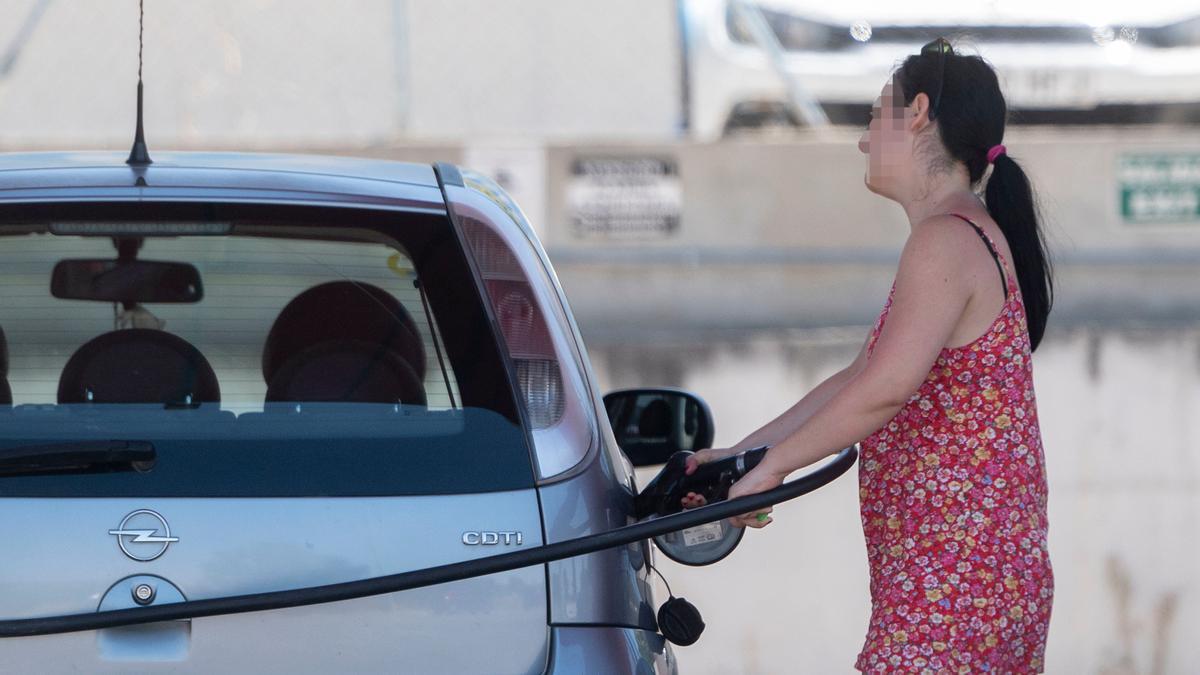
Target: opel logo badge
[{"x": 144, "y": 535}]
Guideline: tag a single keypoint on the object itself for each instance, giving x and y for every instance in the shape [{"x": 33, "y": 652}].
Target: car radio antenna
[{"x": 139, "y": 155}]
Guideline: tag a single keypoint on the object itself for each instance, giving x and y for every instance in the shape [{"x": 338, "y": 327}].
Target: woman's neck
[{"x": 953, "y": 193}]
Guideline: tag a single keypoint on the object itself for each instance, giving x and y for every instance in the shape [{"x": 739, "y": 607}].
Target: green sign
[{"x": 1160, "y": 188}]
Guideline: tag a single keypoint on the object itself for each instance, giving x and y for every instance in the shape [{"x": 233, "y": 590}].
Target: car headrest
[
  {"x": 346, "y": 371},
  {"x": 138, "y": 365},
  {"x": 341, "y": 311},
  {"x": 655, "y": 419}
]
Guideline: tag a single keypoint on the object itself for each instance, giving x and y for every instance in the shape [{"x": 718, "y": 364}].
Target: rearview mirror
[
  {"x": 650, "y": 425},
  {"x": 126, "y": 281}
]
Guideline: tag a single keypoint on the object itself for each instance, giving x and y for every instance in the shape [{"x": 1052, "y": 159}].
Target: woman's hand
[
  {"x": 758, "y": 480},
  {"x": 691, "y": 500},
  {"x": 707, "y": 455}
]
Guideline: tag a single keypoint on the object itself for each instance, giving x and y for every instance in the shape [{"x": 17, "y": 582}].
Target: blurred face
[{"x": 888, "y": 143}]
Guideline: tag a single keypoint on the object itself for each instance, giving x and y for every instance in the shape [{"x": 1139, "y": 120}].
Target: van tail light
[{"x": 521, "y": 322}]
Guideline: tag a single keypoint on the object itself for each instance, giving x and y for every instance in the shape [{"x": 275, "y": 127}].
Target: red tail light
[{"x": 521, "y": 322}]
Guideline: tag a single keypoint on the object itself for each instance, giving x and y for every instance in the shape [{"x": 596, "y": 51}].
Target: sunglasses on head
[{"x": 941, "y": 47}]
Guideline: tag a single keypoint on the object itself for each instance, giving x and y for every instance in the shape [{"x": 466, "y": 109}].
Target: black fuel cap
[{"x": 680, "y": 622}]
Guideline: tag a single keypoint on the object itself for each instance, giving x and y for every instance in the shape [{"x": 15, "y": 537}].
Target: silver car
[
  {"x": 751, "y": 62},
  {"x": 229, "y": 378}
]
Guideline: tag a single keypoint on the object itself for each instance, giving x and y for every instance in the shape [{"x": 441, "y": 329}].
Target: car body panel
[
  {"x": 231, "y": 162},
  {"x": 241, "y": 546},
  {"x": 218, "y": 177},
  {"x": 622, "y": 651},
  {"x": 610, "y": 586}
]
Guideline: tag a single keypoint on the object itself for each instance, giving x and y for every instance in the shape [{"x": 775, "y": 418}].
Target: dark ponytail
[
  {"x": 1011, "y": 204},
  {"x": 971, "y": 115}
]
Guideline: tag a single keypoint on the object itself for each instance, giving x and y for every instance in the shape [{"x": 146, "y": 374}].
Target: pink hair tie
[{"x": 995, "y": 152}]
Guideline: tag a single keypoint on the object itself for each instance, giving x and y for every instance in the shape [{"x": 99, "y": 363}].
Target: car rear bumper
[{"x": 614, "y": 650}]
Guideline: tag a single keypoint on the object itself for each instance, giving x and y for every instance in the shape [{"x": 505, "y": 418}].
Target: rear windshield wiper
[{"x": 77, "y": 457}]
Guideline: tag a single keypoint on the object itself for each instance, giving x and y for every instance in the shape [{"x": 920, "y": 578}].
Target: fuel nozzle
[{"x": 663, "y": 494}]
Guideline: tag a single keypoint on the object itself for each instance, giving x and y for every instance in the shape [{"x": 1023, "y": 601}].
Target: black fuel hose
[{"x": 430, "y": 576}]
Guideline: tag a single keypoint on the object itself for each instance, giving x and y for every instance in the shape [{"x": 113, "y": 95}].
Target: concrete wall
[{"x": 783, "y": 233}]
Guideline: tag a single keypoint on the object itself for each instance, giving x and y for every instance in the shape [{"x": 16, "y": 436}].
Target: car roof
[{"x": 213, "y": 176}]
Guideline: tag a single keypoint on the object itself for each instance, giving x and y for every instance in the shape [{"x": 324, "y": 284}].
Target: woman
[{"x": 952, "y": 482}]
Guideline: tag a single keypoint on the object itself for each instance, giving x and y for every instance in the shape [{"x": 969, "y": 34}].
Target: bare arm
[
  {"x": 790, "y": 420},
  {"x": 929, "y": 300},
  {"x": 784, "y": 426}
]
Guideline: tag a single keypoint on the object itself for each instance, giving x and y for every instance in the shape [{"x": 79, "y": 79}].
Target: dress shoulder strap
[{"x": 991, "y": 249}]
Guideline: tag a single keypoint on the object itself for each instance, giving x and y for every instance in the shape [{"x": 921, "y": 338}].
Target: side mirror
[{"x": 652, "y": 424}]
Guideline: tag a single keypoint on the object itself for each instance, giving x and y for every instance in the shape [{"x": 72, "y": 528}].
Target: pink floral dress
[{"x": 953, "y": 503}]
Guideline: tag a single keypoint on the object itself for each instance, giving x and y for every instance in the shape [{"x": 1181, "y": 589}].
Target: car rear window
[{"x": 335, "y": 352}]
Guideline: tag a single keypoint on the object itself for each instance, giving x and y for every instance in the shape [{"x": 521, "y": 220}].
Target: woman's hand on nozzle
[
  {"x": 692, "y": 499},
  {"x": 704, "y": 456}
]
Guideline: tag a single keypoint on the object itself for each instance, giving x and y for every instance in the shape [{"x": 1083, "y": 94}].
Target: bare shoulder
[
  {"x": 943, "y": 231},
  {"x": 942, "y": 243}
]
